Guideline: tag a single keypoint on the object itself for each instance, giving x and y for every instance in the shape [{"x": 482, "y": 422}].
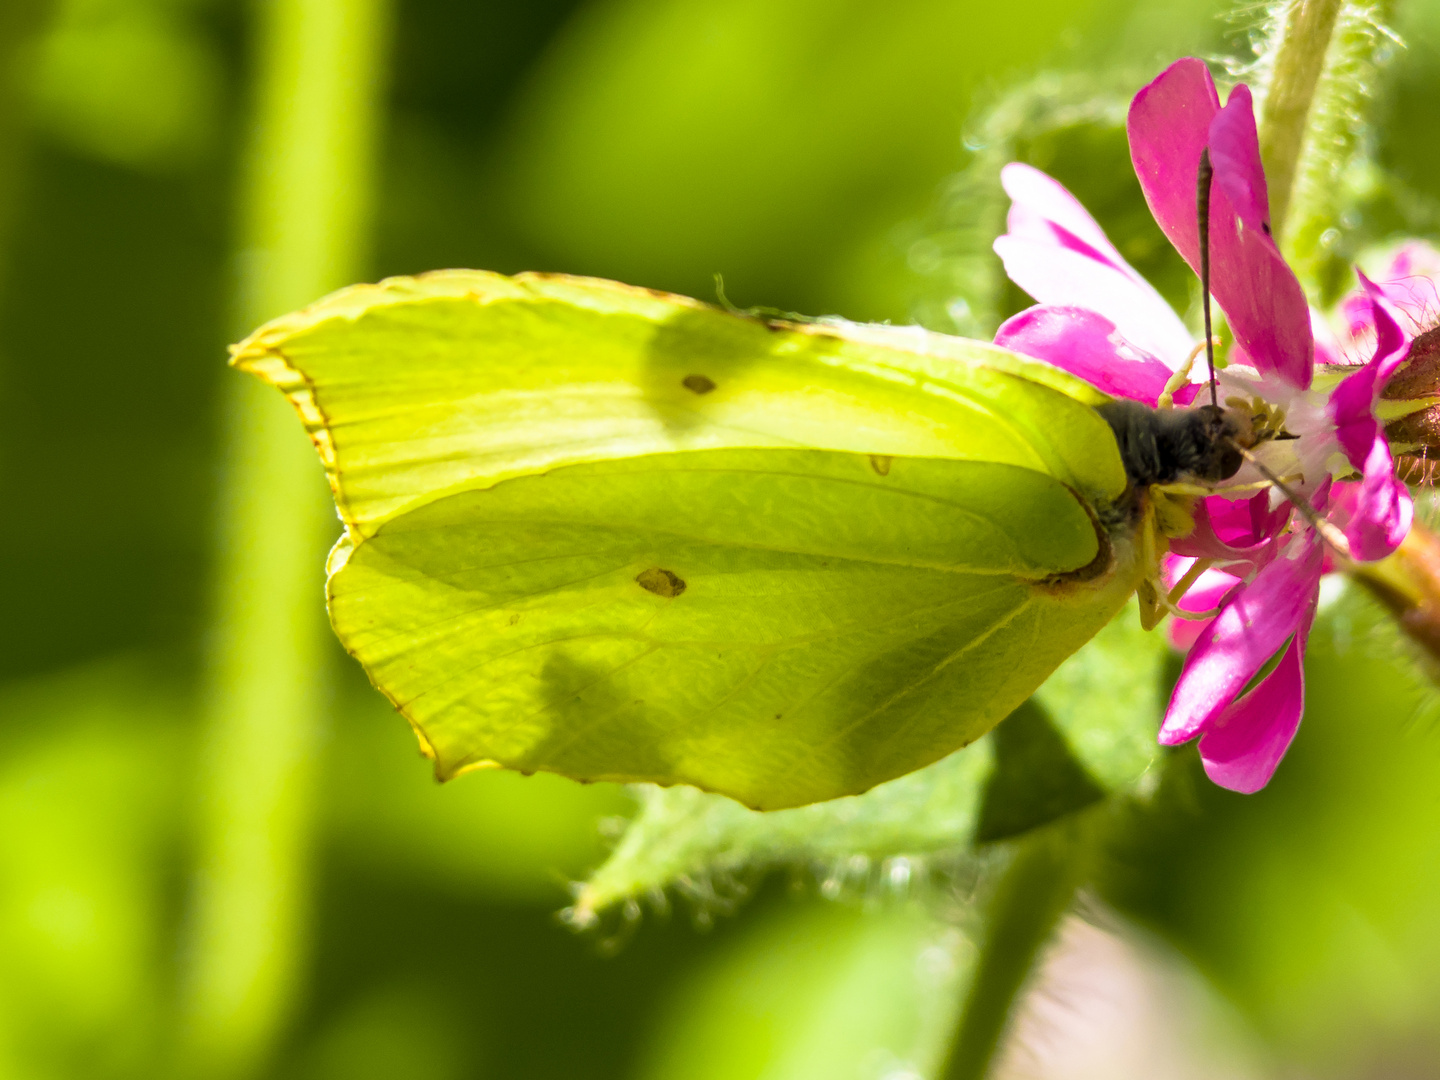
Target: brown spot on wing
[
  {"x": 660, "y": 582},
  {"x": 881, "y": 463},
  {"x": 700, "y": 384}
]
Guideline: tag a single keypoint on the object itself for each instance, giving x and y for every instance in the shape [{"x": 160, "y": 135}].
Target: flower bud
[{"x": 1415, "y": 436}]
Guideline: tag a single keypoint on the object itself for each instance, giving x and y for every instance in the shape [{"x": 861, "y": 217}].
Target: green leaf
[
  {"x": 1035, "y": 781},
  {"x": 620, "y": 535},
  {"x": 1089, "y": 731},
  {"x": 690, "y": 839},
  {"x": 1106, "y": 701}
]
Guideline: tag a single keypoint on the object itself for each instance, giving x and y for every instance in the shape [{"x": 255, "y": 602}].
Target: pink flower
[
  {"x": 1410, "y": 282},
  {"x": 1098, "y": 319},
  {"x": 1209, "y": 591},
  {"x": 1410, "y": 288},
  {"x": 1243, "y": 736},
  {"x": 1171, "y": 122},
  {"x": 1383, "y": 510}
]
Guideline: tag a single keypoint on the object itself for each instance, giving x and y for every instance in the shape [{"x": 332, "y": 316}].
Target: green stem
[
  {"x": 305, "y": 208},
  {"x": 1037, "y": 887},
  {"x": 1299, "y": 61}
]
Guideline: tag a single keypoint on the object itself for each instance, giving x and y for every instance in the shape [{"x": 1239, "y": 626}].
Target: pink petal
[
  {"x": 1168, "y": 125},
  {"x": 1383, "y": 510},
  {"x": 1241, "y": 530},
  {"x": 1245, "y": 522},
  {"x": 1263, "y": 301},
  {"x": 1244, "y": 745},
  {"x": 1391, "y": 342},
  {"x": 1062, "y": 276},
  {"x": 1414, "y": 258},
  {"x": 1208, "y": 592},
  {"x": 1260, "y": 294},
  {"x": 1408, "y": 307},
  {"x": 1087, "y": 345},
  {"x": 1358, "y": 312},
  {"x": 1184, "y": 632},
  {"x": 1384, "y": 513},
  {"x": 1409, "y": 283},
  {"x": 1251, "y": 627},
  {"x": 1171, "y": 121},
  {"x": 1327, "y": 345},
  {"x": 1235, "y": 155},
  {"x": 1358, "y": 433},
  {"x": 1343, "y": 501},
  {"x": 1416, "y": 300},
  {"x": 1041, "y": 209}
]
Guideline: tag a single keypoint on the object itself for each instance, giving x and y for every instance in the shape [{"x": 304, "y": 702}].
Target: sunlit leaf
[{"x": 620, "y": 535}]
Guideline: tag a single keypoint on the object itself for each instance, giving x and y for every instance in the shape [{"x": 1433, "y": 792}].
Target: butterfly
[{"x": 623, "y": 535}]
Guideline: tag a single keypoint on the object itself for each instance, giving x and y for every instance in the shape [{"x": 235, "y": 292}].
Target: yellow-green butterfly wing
[{"x": 621, "y": 535}]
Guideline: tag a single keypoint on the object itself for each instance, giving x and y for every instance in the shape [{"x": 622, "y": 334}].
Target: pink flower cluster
[{"x": 1097, "y": 318}]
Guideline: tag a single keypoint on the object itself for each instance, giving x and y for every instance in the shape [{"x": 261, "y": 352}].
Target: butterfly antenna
[
  {"x": 1202, "y": 220},
  {"x": 1328, "y": 531}
]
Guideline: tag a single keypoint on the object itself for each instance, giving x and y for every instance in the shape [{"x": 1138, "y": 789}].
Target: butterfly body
[{"x": 1167, "y": 446}]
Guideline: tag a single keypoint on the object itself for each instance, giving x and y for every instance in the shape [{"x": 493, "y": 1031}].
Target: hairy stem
[
  {"x": 1037, "y": 888},
  {"x": 1408, "y": 583},
  {"x": 1298, "y": 62},
  {"x": 1324, "y": 61},
  {"x": 304, "y": 211}
]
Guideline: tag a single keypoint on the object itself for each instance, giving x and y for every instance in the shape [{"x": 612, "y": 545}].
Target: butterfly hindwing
[{"x": 619, "y": 535}]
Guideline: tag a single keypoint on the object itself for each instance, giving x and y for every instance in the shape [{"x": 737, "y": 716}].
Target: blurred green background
[{"x": 824, "y": 156}]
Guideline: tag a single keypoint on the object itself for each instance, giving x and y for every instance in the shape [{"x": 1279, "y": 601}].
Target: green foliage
[
  {"x": 792, "y": 146},
  {"x": 1027, "y": 902},
  {"x": 89, "y": 830},
  {"x": 1071, "y": 126},
  {"x": 813, "y": 994},
  {"x": 1312, "y": 903},
  {"x": 704, "y": 846},
  {"x": 97, "y": 815},
  {"x": 129, "y": 81},
  {"x": 776, "y": 143},
  {"x": 1335, "y": 172},
  {"x": 1035, "y": 780},
  {"x": 1107, "y": 699},
  {"x": 962, "y": 287}
]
